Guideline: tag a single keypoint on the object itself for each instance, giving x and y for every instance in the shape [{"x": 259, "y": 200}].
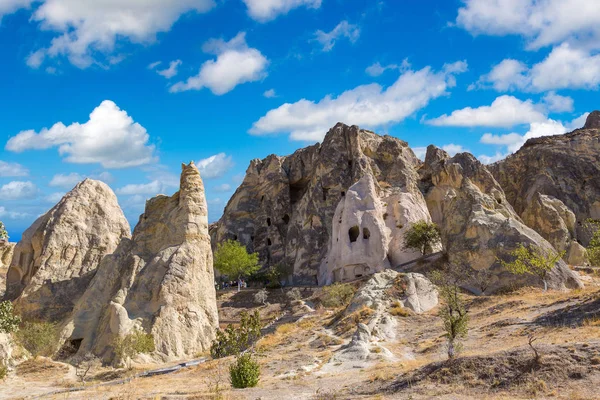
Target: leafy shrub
[
  {"x": 3, "y": 233},
  {"x": 245, "y": 372},
  {"x": 233, "y": 340},
  {"x": 421, "y": 236},
  {"x": 38, "y": 338},
  {"x": 337, "y": 295},
  {"x": 532, "y": 261},
  {"x": 9, "y": 322},
  {"x": 137, "y": 342}
]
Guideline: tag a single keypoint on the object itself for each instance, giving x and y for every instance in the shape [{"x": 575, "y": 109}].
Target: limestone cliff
[
  {"x": 160, "y": 281},
  {"x": 58, "y": 255},
  {"x": 564, "y": 170}
]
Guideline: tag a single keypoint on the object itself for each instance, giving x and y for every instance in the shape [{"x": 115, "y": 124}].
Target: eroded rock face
[
  {"x": 478, "y": 224},
  {"x": 6, "y": 253},
  {"x": 289, "y": 209},
  {"x": 57, "y": 256},
  {"x": 564, "y": 167},
  {"x": 160, "y": 281}
]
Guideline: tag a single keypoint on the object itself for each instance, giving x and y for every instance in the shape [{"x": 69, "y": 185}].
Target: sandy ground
[{"x": 496, "y": 362}]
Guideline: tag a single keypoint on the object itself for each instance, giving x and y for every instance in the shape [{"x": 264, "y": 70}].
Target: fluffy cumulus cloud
[
  {"x": 453, "y": 149},
  {"x": 270, "y": 94},
  {"x": 8, "y": 169},
  {"x": 505, "y": 111},
  {"x": 86, "y": 29},
  {"x": 10, "y": 6},
  {"x": 369, "y": 106},
  {"x": 377, "y": 69},
  {"x": 566, "y": 67},
  {"x": 557, "y": 103},
  {"x": 110, "y": 138},
  {"x": 150, "y": 188},
  {"x": 18, "y": 190},
  {"x": 65, "y": 181},
  {"x": 267, "y": 10},
  {"x": 343, "y": 30},
  {"x": 215, "y": 166},
  {"x": 542, "y": 23},
  {"x": 170, "y": 72},
  {"x": 4, "y": 213},
  {"x": 236, "y": 63}
]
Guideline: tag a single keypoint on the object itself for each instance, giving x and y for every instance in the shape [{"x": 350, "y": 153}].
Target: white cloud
[
  {"x": 500, "y": 140},
  {"x": 18, "y": 190},
  {"x": 236, "y": 63},
  {"x": 154, "y": 64},
  {"x": 369, "y": 106},
  {"x": 267, "y": 10},
  {"x": 110, "y": 138},
  {"x": 8, "y": 169},
  {"x": 492, "y": 159},
  {"x": 505, "y": 111},
  {"x": 54, "y": 197},
  {"x": 557, "y": 103},
  {"x": 4, "y": 213},
  {"x": 171, "y": 71},
  {"x": 225, "y": 187},
  {"x": 542, "y": 23},
  {"x": 105, "y": 177},
  {"x": 270, "y": 94},
  {"x": 508, "y": 75},
  {"x": 66, "y": 181},
  {"x": 343, "y": 29},
  {"x": 10, "y": 6},
  {"x": 452, "y": 149},
  {"x": 215, "y": 166},
  {"x": 151, "y": 188},
  {"x": 89, "y": 28},
  {"x": 35, "y": 59},
  {"x": 377, "y": 69},
  {"x": 420, "y": 152}
]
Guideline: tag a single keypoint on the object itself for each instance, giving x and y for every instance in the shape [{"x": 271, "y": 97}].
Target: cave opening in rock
[
  {"x": 354, "y": 233},
  {"x": 268, "y": 221},
  {"x": 343, "y": 193},
  {"x": 297, "y": 190},
  {"x": 325, "y": 192},
  {"x": 269, "y": 242},
  {"x": 366, "y": 233},
  {"x": 262, "y": 199},
  {"x": 286, "y": 219}
]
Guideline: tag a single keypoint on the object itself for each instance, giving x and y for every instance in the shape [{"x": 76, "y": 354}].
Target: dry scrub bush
[
  {"x": 38, "y": 338},
  {"x": 337, "y": 295}
]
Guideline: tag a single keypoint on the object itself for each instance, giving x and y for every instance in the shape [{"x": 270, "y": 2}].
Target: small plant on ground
[
  {"x": 421, "y": 236},
  {"x": 593, "y": 248},
  {"x": 244, "y": 372},
  {"x": 232, "y": 259},
  {"x": 38, "y": 338},
  {"x": 84, "y": 364},
  {"x": 532, "y": 261},
  {"x": 261, "y": 296},
  {"x": 294, "y": 294},
  {"x": 337, "y": 295},
  {"x": 9, "y": 321},
  {"x": 233, "y": 340},
  {"x": 399, "y": 310},
  {"x": 137, "y": 342},
  {"x": 453, "y": 312},
  {"x": 3, "y": 233}
]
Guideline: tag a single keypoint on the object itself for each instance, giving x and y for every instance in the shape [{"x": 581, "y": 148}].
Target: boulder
[
  {"x": 563, "y": 167},
  {"x": 160, "y": 281},
  {"x": 479, "y": 226},
  {"x": 58, "y": 255}
]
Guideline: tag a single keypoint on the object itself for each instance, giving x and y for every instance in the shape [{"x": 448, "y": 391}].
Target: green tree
[
  {"x": 421, "y": 236},
  {"x": 453, "y": 312},
  {"x": 9, "y": 322},
  {"x": 593, "y": 248},
  {"x": 233, "y": 340},
  {"x": 137, "y": 342},
  {"x": 532, "y": 261},
  {"x": 232, "y": 259},
  {"x": 3, "y": 233},
  {"x": 245, "y": 372}
]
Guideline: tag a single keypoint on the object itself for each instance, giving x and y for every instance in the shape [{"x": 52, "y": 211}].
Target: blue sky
[{"x": 125, "y": 91}]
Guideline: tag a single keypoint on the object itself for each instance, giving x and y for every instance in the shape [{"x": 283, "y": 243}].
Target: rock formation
[
  {"x": 332, "y": 211},
  {"x": 552, "y": 177},
  {"x": 160, "y": 281},
  {"x": 6, "y": 253},
  {"x": 478, "y": 224},
  {"x": 58, "y": 255}
]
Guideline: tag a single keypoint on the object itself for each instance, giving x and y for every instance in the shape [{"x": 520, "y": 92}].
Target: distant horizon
[{"x": 222, "y": 83}]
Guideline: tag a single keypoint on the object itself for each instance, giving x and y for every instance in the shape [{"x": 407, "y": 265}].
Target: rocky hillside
[
  {"x": 338, "y": 210},
  {"x": 554, "y": 184},
  {"x": 6, "y": 252}
]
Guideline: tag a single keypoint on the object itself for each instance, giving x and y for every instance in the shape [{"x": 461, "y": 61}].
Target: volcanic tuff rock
[
  {"x": 304, "y": 211},
  {"x": 160, "y": 281},
  {"x": 565, "y": 168},
  {"x": 478, "y": 224},
  {"x": 58, "y": 255},
  {"x": 6, "y": 253}
]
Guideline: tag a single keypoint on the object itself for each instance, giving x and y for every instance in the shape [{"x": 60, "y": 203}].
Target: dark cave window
[
  {"x": 268, "y": 221},
  {"x": 353, "y": 233},
  {"x": 350, "y": 163},
  {"x": 252, "y": 238},
  {"x": 297, "y": 190},
  {"x": 262, "y": 199},
  {"x": 234, "y": 237},
  {"x": 366, "y": 233},
  {"x": 325, "y": 192},
  {"x": 269, "y": 242},
  {"x": 286, "y": 219},
  {"x": 343, "y": 194}
]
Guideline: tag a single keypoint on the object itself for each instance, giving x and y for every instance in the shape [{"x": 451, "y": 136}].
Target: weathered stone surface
[
  {"x": 478, "y": 224},
  {"x": 285, "y": 209},
  {"x": 564, "y": 167},
  {"x": 6, "y": 253},
  {"x": 160, "y": 281},
  {"x": 58, "y": 255},
  {"x": 6, "y": 349}
]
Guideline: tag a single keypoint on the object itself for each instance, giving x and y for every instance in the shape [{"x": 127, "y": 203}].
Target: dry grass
[
  {"x": 398, "y": 310},
  {"x": 344, "y": 325}
]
